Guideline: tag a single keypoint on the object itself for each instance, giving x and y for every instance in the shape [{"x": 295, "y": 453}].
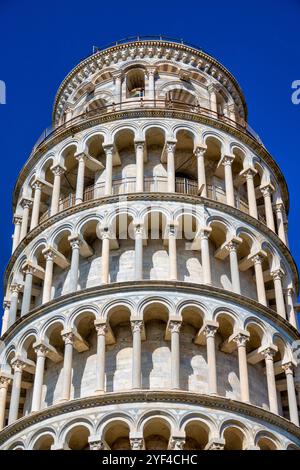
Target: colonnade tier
[
  {"x": 122, "y": 346},
  {"x": 189, "y": 162},
  {"x": 133, "y": 240},
  {"x": 142, "y": 425}
]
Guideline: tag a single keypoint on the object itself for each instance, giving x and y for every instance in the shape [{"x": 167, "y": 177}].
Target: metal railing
[
  {"x": 154, "y": 37},
  {"x": 199, "y": 109},
  {"x": 151, "y": 184}
]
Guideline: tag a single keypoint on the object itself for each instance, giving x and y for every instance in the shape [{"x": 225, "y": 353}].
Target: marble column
[
  {"x": 269, "y": 354},
  {"x": 174, "y": 327},
  {"x": 17, "y": 231},
  {"x": 67, "y": 369},
  {"x": 57, "y": 171},
  {"x": 41, "y": 352},
  {"x": 279, "y": 210},
  {"x": 289, "y": 296},
  {"x": 241, "y": 339},
  {"x": 117, "y": 76},
  {"x": 259, "y": 279},
  {"x": 172, "y": 252},
  {"x": 5, "y": 318},
  {"x": 137, "y": 327},
  {"x": 49, "y": 256},
  {"x": 170, "y": 146},
  {"x": 280, "y": 305},
  {"x": 199, "y": 153},
  {"x": 18, "y": 367},
  {"x": 205, "y": 256},
  {"x": 108, "y": 190},
  {"x": 139, "y": 155},
  {"x": 138, "y": 233},
  {"x": 213, "y": 100},
  {"x": 105, "y": 257},
  {"x": 293, "y": 408},
  {"x": 4, "y": 383},
  {"x": 74, "y": 269},
  {"x": 26, "y": 301},
  {"x": 14, "y": 296},
  {"x": 210, "y": 333},
  {"x": 234, "y": 266},
  {"x": 37, "y": 186},
  {"x": 26, "y": 204},
  {"x": 101, "y": 329},
  {"x": 249, "y": 174},
  {"x": 227, "y": 162},
  {"x": 266, "y": 192},
  {"x": 81, "y": 158},
  {"x": 151, "y": 71}
]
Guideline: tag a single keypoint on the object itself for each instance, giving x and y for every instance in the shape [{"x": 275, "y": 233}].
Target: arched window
[{"x": 135, "y": 83}]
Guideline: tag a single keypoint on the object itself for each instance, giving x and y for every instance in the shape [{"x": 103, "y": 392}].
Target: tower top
[{"x": 146, "y": 50}]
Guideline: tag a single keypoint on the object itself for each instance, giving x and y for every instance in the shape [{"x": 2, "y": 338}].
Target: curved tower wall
[{"x": 150, "y": 292}]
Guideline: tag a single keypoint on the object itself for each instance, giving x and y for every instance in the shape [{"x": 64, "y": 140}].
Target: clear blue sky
[{"x": 40, "y": 42}]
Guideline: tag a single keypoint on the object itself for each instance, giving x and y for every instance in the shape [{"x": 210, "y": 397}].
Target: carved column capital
[
  {"x": 200, "y": 150},
  {"x": 15, "y": 288},
  {"x": 137, "y": 325},
  {"x": 241, "y": 339},
  {"x": 41, "y": 350},
  {"x": 277, "y": 274},
  {"x": 227, "y": 160},
  {"x": 205, "y": 232},
  {"x": 137, "y": 443},
  {"x": 81, "y": 156},
  {"x": 170, "y": 145},
  {"x": 18, "y": 365},
  {"x": 75, "y": 241},
  {"x": 139, "y": 144},
  {"x": 48, "y": 253},
  {"x": 269, "y": 353},
  {"x": 37, "y": 184},
  {"x": 4, "y": 381},
  {"x": 210, "y": 330},
  {"x": 174, "y": 326},
  {"x": 96, "y": 444},
  {"x": 17, "y": 219},
  {"x": 288, "y": 368},
  {"x": 176, "y": 443},
  {"x": 68, "y": 337},
  {"x": 101, "y": 328},
  {"x": 58, "y": 170},
  {"x": 267, "y": 190},
  {"x": 26, "y": 203}
]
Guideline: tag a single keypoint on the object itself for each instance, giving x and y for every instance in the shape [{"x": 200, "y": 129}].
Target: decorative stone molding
[
  {"x": 125, "y": 286},
  {"x": 135, "y": 397}
]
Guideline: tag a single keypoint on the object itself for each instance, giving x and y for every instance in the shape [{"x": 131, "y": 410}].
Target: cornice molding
[
  {"x": 62, "y": 133},
  {"x": 105, "y": 58},
  {"x": 128, "y": 286},
  {"x": 148, "y": 396},
  {"x": 176, "y": 197}
]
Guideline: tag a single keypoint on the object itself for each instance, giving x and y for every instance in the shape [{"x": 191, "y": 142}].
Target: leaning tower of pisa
[{"x": 150, "y": 295}]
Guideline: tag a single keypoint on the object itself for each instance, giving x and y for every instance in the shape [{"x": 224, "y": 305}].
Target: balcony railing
[
  {"x": 151, "y": 184},
  {"x": 167, "y": 104}
]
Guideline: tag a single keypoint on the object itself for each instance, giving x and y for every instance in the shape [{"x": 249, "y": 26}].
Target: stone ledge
[
  {"x": 130, "y": 286},
  {"x": 168, "y": 396}
]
